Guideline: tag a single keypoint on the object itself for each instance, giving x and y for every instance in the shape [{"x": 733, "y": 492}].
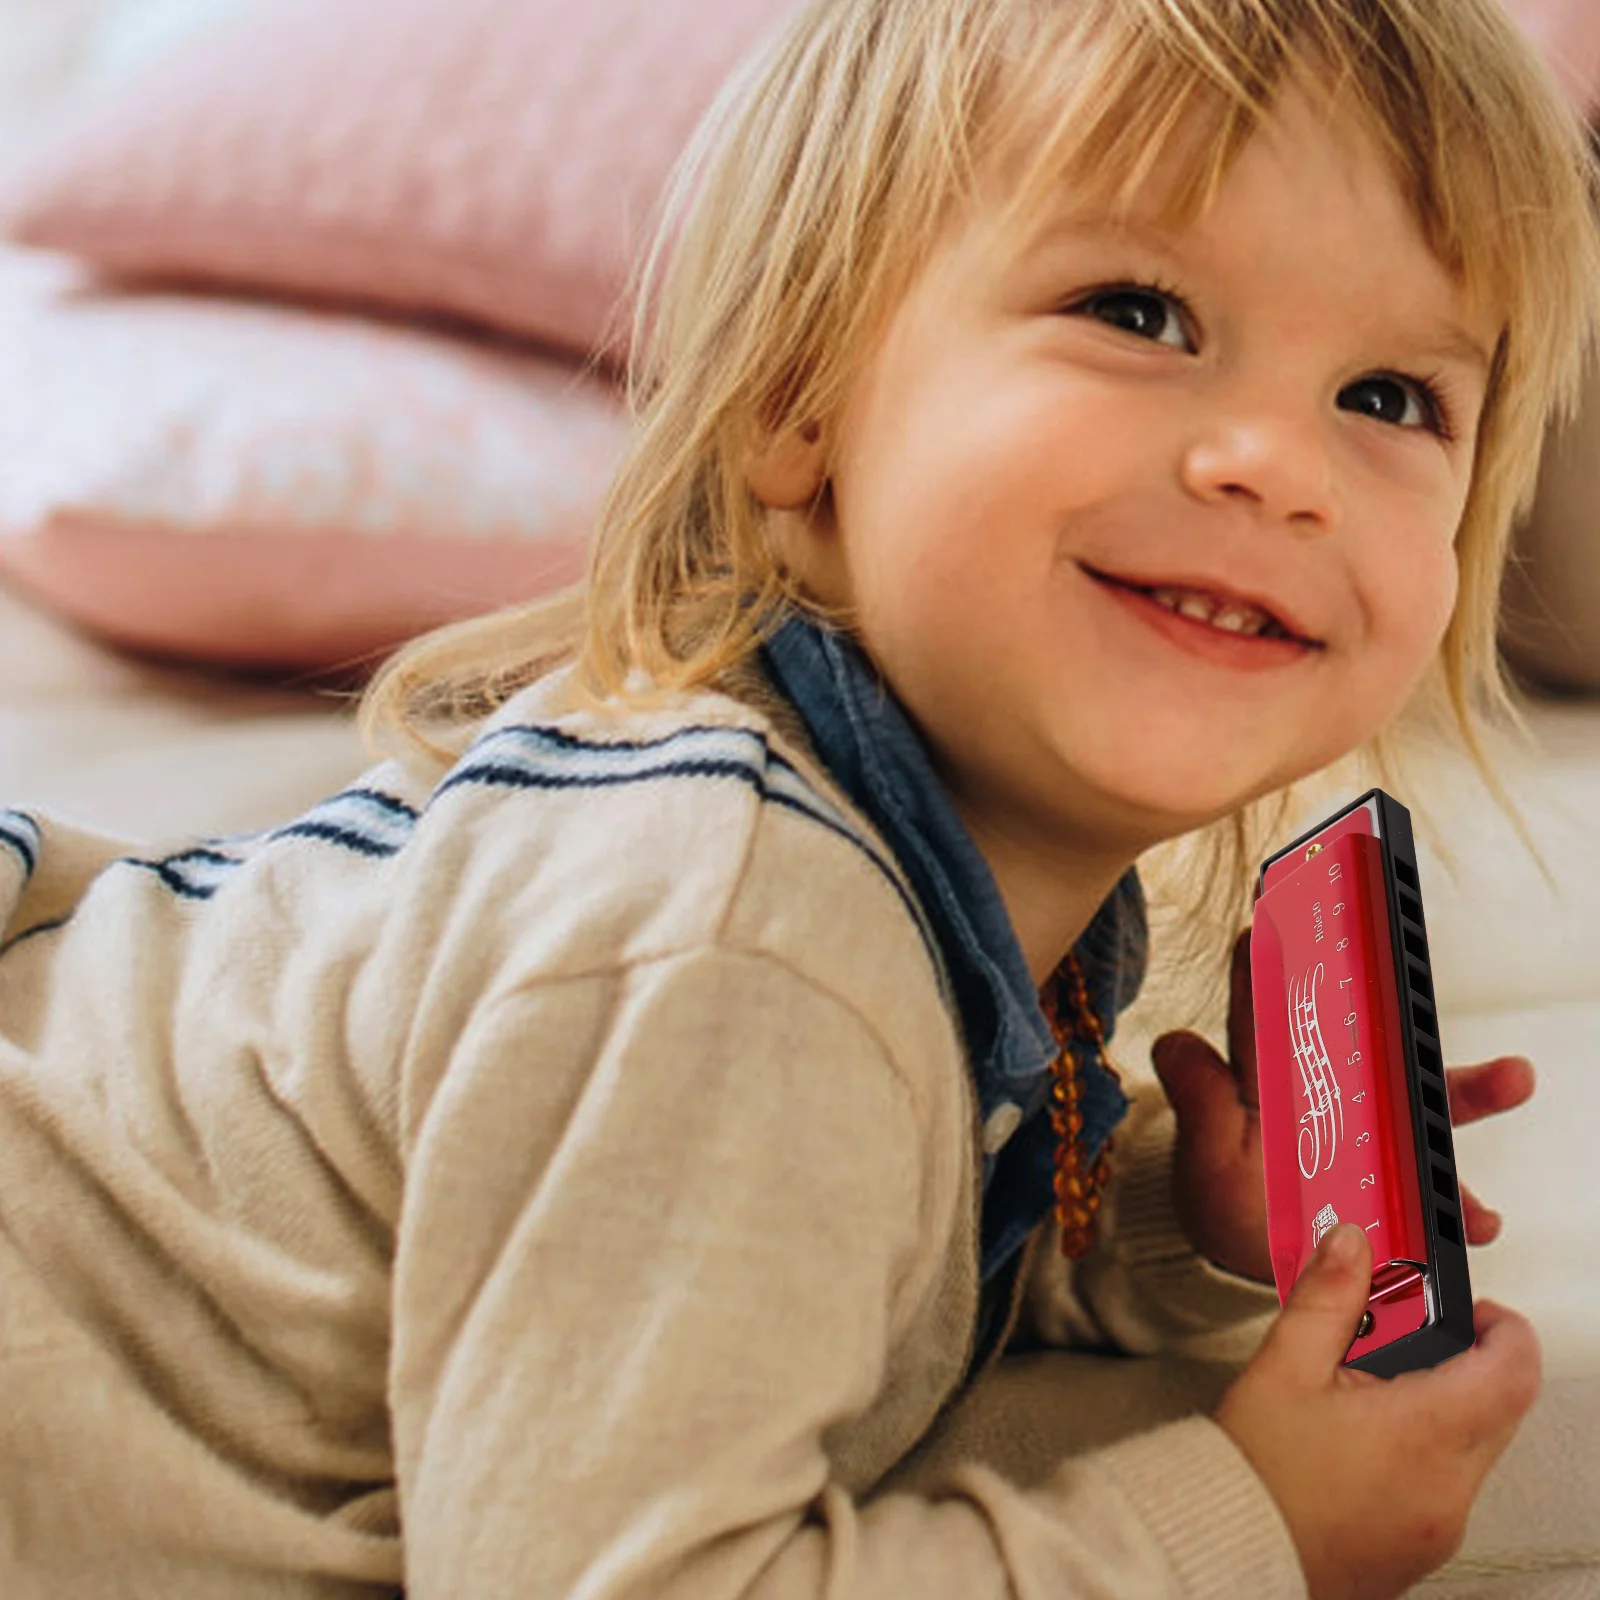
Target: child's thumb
[{"x": 1325, "y": 1306}]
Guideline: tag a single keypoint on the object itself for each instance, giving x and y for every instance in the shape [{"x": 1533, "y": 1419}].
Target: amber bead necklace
[{"x": 1077, "y": 1194}]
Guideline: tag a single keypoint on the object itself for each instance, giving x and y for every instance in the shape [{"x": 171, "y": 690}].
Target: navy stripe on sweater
[
  {"x": 542, "y": 758},
  {"x": 365, "y": 821},
  {"x": 21, "y": 832},
  {"x": 370, "y": 823}
]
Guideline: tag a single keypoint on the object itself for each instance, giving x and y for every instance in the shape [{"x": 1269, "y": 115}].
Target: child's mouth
[{"x": 1204, "y": 639}]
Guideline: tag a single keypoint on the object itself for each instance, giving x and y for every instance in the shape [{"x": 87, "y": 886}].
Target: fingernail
[{"x": 1342, "y": 1245}]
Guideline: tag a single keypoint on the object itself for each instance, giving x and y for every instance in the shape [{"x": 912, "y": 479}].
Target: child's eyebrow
[{"x": 1072, "y": 224}]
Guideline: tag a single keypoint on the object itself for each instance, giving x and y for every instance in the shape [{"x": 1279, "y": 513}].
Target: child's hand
[
  {"x": 1375, "y": 1477},
  {"x": 1218, "y": 1185}
]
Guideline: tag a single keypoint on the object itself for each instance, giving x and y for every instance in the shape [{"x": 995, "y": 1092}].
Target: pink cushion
[
  {"x": 496, "y": 159},
  {"x": 260, "y": 485}
]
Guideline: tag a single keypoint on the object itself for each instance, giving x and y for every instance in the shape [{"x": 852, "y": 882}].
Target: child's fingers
[{"x": 1483, "y": 1394}]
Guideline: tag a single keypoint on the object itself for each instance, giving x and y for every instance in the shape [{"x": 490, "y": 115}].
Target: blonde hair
[{"x": 817, "y": 185}]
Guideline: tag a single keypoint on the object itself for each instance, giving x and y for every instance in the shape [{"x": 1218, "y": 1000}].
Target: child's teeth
[{"x": 1229, "y": 618}]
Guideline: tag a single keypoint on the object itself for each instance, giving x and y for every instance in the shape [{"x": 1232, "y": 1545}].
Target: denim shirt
[{"x": 876, "y": 755}]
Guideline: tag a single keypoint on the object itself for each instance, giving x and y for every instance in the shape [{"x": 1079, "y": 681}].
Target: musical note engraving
[{"x": 1323, "y": 1119}]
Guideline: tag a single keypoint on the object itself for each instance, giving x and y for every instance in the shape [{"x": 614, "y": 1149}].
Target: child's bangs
[{"x": 1099, "y": 99}]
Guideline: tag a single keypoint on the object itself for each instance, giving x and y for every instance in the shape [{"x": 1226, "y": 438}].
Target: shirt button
[{"x": 1003, "y": 1122}]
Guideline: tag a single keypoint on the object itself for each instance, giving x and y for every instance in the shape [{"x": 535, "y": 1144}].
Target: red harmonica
[{"x": 1355, "y": 1119}]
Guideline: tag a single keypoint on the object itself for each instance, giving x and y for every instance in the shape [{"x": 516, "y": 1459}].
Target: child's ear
[{"x": 785, "y": 470}]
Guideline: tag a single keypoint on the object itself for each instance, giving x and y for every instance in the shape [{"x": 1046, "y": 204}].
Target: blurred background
[
  {"x": 52, "y": 52},
  {"x": 312, "y": 319},
  {"x": 298, "y": 300}
]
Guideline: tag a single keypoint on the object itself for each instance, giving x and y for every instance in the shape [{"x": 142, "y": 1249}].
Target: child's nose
[{"x": 1277, "y": 459}]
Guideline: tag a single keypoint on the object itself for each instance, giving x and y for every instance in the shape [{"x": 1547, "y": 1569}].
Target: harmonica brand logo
[{"x": 1322, "y": 1122}]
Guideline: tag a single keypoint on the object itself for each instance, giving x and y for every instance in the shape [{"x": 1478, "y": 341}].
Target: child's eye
[
  {"x": 1435, "y": 413},
  {"x": 1137, "y": 307}
]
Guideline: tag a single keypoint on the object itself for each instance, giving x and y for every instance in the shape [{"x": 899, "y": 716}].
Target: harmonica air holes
[
  {"x": 1407, "y": 874},
  {"x": 1443, "y": 1183},
  {"x": 1433, "y": 1100},
  {"x": 1419, "y": 982},
  {"x": 1411, "y": 907},
  {"x": 1439, "y": 1141},
  {"x": 1448, "y": 1227},
  {"x": 1415, "y": 944},
  {"x": 1429, "y": 1057},
  {"x": 1422, "y": 1015}
]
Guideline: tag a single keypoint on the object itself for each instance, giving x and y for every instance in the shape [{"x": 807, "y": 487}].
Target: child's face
[{"x": 1269, "y": 436}]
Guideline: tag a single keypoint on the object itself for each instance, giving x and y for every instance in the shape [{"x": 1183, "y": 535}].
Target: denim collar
[{"x": 874, "y": 752}]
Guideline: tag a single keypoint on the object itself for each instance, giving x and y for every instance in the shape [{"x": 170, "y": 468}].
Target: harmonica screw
[
  {"x": 1312, "y": 850},
  {"x": 1365, "y": 1326}
]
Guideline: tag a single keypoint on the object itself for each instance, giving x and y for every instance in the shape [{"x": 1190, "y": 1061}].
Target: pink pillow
[
  {"x": 495, "y": 159},
  {"x": 259, "y": 485}
]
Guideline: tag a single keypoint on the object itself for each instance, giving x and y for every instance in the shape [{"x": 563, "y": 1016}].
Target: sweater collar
[{"x": 878, "y": 757}]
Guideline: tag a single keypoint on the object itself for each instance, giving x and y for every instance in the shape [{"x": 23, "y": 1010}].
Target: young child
[{"x": 586, "y": 1156}]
